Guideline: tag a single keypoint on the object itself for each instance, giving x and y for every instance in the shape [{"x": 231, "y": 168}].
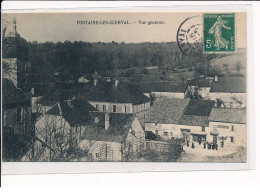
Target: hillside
[{"x": 231, "y": 60}]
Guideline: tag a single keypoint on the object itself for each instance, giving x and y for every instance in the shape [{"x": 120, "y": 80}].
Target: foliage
[
  {"x": 171, "y": 152},
  {"x": 80, "y": 58}
]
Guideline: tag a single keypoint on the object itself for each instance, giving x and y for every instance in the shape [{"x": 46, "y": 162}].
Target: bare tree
[
  {"x": 55, "y": 140},
  {"x": 239, "y": 67},
  {"x": 226, "y": 66}
]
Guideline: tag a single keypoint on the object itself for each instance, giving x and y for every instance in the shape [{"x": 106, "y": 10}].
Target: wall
[
  {"x": 226, "y": 98},
  {"x": 120, "y": 107},
  {"x": 35, "y": 105},
  {"x": 45, "y": 125},
  {"x": 101, "y": 150},
  {"x": 141, "y": 107},
  {"x": 204, "y": 92},
  {"x": 239, "y": 133},
  {"x": 135, "y": 139},
  {"x": 10, "y": 72},
  {"x": 174, "y": 130},
  {"x": 10, "y": 120}
]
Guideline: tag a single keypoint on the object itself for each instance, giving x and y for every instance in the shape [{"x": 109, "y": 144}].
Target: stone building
[{"x": 16, "y": 90}]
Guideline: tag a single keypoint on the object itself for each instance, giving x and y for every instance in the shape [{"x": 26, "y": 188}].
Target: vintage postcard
[{"x": 125, "y": 87}]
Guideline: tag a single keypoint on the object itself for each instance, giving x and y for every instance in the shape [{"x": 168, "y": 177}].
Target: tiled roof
[
  {"x": 53, "y": 95},
  {"x": 167, "y": 111},
  {"x": 197, "y": 113},
  {"x": 229, "y": 85},
  {"x": 78, "y": 113},
  {"x": 12, "y": 96},
  {"x": 147, "y": 87},
  {"x": 119, "y": 125},
  {"x": 15, "y": 47},
  {"x": 199, "y": 82},
  {"x": 228, "y": 115},
  {"x": 149, "y": 135},
  {"x": 108, "y": 92},
  {"x": 199, "y": 107},
  {"x": 191, "y": 112},
  {"x": 193, "y": 120}
]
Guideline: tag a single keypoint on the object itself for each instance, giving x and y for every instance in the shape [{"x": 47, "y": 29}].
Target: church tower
[{"x": 15, "y": 59}]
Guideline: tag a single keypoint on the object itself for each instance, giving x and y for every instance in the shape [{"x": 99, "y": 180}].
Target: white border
[{"x": 86, "y": 167}]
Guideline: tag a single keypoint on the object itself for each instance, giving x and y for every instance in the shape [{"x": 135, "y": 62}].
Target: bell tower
[{"x": 15, "y": 58}]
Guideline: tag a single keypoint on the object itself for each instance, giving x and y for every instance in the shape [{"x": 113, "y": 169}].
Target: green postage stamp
[{"x": 219, "y": 33}]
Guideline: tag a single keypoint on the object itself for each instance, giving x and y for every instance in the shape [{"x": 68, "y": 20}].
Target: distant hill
[{"x": 231, "y": 60}]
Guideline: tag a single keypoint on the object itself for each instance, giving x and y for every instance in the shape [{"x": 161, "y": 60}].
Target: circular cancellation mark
[{"x": 189, "y": 36}]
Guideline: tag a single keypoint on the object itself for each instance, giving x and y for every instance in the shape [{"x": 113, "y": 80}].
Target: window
[
  {"x": 77, "y": 128},
  {"x": 114, "y": 108},
  {"x": 76, "y": 142},
  {"x": 104, "y": 108},
  {"x": 223, "y": 126},
  {"x": 231, "y": 139},
  {"x": 155, "y": 124},
  {"x": 148, "y": 144},
  {"x": 125, "y": 108},
  {"x": 156, "y": 132},
  {"x": 165, "y": 134},
  {"x": 232, "y": 128},
  {"x": 203, "y": 128},
  {"x": 97, "y": 155},
  {"x": 96, "y": 106},
  {"x": 19, "y": 114}
]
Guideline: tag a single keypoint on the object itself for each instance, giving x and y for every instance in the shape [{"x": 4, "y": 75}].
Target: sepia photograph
[{"x": 124, "y": 87}]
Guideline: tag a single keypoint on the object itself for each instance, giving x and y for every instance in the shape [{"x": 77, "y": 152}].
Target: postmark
[
  {"x": 219, "y": 33},
  {"x": 189, "y": 36}
]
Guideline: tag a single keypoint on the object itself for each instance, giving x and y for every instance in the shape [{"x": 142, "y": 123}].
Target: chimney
[
  {"x": 95, "y": 82},
  {"x": 216, "y": 78},
  {"x": 106, "y": 121},
  {"x": 116, "y": 82},
  {"x": 216, "y": 104}
]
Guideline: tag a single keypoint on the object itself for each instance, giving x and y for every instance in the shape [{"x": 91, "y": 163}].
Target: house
[
  {"x": 58, "y": 130},
  {"x": 113, "y": 137},
  {"x": 46, "y": 98},
  {"x": 161, "y": 90},
  {"x": 230, "y": 90},
  {"x": 113, "y": 96},
  {"x": 194, "y": 123},
  {"x": 201, "y": 86},
  {"x": 164, "y": 116},
  {"x": 228, "y": 127},
  {"x": 180, "y": 118}
]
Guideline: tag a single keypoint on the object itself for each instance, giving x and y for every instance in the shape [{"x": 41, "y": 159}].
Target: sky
[{"x": 56, "y": 27}]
